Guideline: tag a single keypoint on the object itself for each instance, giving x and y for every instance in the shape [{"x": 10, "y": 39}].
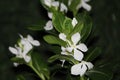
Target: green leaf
[
  {"x": 67, "y": 26},
  {"x": 20, "y": 77},
  {"x": 62, "y": 57},
  {"x": 58, "y": 20},
  {"x": 92, "y": 54},
  {"x": 54, "y": 40},
  {"x": 17, "y": 60},
  {"x": 36, "y": 27},
  {"x": 73, "y": 6},
  {"x": 98, "y": 74},
  {"x": 39, "y": 66},
  {"x": 85, "y": 31}
]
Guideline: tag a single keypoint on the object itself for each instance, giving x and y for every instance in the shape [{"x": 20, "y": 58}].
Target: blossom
[
  {"x": 63, "y": 7},
  {"x": 74, "y": 46},
  {"x": 24, "y": 46},
  {"x": 81, "y": 68},
  {"x": 74, "y": 22},
  {"x": 50, "y": 14},
  {"x": 20, "y": 53},
  {"x": 49, "y": 25},
  {"x": 84, "y": 4}
]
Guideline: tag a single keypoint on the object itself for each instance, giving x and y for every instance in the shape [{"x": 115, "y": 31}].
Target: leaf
[
  {"x": 58, "y": 20},
  {"x": 54, "y": 40},
  {"x": 67, "y": 26},
  {"x": 39, "y": 66},
  {"x": 20, "y": 77},
  {"x": 92, "y": 54},
  {"x": 36, "y": 27},
  {"x": 87, "y": 25},
  {"x": 62, "y": 57},
  {"x": 98, "y": 74},
  {"x": 17, "y": 60}
]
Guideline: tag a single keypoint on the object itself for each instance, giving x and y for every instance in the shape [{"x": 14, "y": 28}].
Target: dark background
[{"x": 16, "y": 15}]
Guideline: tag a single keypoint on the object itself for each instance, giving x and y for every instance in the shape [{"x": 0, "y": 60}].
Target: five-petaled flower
[
  {"x": 81, "y": 68},
  {"x": 24, "y": 46},
  {"x": 74, "y": 45}
]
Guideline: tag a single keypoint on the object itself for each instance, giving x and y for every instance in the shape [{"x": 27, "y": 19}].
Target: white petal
[
  {"x": 78, "y": 55},
  {"x": 62, "y": 36},
  {"x": 48, "y": 2},
  {"x": 86, "y": 0},
  {"x": 83, "y": 70},
  {"x": 15, "y": 64},
  {"x": 69, "y": 2},
  {"x": 13, "y": 50},
  {"x": 63, "y": 61},
  {"x": 76, "y": 69},
  {"x": 82, "y": 47},
  {"x": 89, "y": 65},
  {"x": 27, "y": 58},
  {"x": 74, "y": 22},
  {"x": 63, "y": 48},
  {"x": 64, "y": 53},
  {"x": 69, "y": 49},
  {"x": 35, "y": 43},
  {"x": 29, "y": 38},
  {"x": 86, "y": 6},
  {"x": 50, "y": 14},
  {"x": 55, "y": 4},
  {"x": 63, "y": 7},
  {"x": 75, "y": 38},
  {"x": 49, "y": 25}
]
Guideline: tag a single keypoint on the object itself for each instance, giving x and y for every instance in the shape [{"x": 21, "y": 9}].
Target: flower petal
[
  {"x": 13, "y": 50},
  {"x": 86, "y": 6},
  {"x": 69, "y": 2},
  {"x": 69, "y": 49},
  {"x": 63, "y": 7},
  {"x": 15, "y": 64},
  {"x": 89, "y": 65},
  {"x": 83, "y": 69},
  {"x": 49, "y": 25},
  {"x": 74, "y": 22},
  {"x": 35, "y": 43},
  {"x": 75, "y": 38},
  {"x": 50, "y": 14},
  {"x": 62, "y": 36},
  {"x": 76, "y": 69},
  {"x": 48, "y": 2},
  {"x": 55, "y": 4},
  {"x": 27, "y": 58},
  {"x": 78, "y": 55},
  {"x": 82, "y": 47}
]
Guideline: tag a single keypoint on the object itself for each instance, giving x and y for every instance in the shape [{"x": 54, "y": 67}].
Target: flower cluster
[
  {"x": 62, "y": 8},
  {"x": 75, "y": 48},
  {"x": 22, "y": 49}
]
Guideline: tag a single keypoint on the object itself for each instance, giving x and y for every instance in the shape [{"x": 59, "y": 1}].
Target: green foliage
[
  {"x": 39, "y": 66},
  {"x": 92, "y": 54},
  {"x": 54, "y": 40},
  {"x": 58, "y": 20},
  {"x": 98, "y": 74}
]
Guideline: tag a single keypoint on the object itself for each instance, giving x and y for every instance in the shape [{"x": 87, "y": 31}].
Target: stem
[{"x": 82, "y": 78}]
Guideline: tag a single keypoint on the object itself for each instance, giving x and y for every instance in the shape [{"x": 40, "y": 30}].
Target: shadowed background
[{"x": 16, "y": 15}]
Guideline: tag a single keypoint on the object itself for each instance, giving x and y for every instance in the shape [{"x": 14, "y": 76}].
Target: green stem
[
  {"x": 36, "y": 71},
  {"x": 82, "y": 78}
]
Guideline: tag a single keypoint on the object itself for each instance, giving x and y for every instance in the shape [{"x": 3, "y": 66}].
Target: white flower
[
  {"x": 63, "y": 7},
  {"x": 49, "y": 25},
  {"x": 20, "y": 53},
  {"x": 77, "y": 48},
  {"x": 84, "y": 5},
  {"x": 81, "y": 68},
  {"x": 74, "y": 46},
  {"x": 74, "y": 22}
]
